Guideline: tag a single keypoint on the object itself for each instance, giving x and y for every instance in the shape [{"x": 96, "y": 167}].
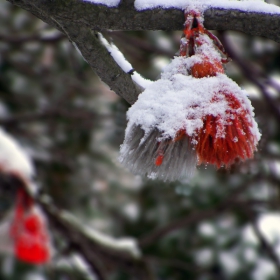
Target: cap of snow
[
  {"x": 178, "y": 101},
  {"x": 13, "y": 158}
]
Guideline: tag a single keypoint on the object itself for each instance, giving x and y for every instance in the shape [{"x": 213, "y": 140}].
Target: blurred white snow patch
[
  {"x": 160, "y": 62},
  {"x": 275, "y": 167},
  {"x": 269, "y": 225},
  {"x": 82, "y": 266},
  {"x": 204, "y": 256},
  {"x": 273, "y": 147},
  {"x": 13, "y": 158},
  {"x": 207, "y": 229},
  {"x": 246, "y": 6},
  {"x": 275, "y": 78},
  {"x": 264, "y": 269},
  {"x": 250, "y": 255},
  {"x": 164, "y": 42},
  {"x": 80, "y": 262},
  {"x": 230, "y": 262},
  {"x": 264, "y": 191},
  {"x": 76, "y": 262},
  {"x": 109, "y": 3},
  {"x": 252, "y": 91},
  {"x": 123, "y": 244},
  {"x": 34, "y": 276},
  {"x": 226, "y": 222},
  {"x": 123, "y": 63},
  {"x": 131, "y": 210}
]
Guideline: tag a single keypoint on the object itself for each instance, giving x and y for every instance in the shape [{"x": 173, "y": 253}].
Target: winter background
[{"x": 72, "y": 125}]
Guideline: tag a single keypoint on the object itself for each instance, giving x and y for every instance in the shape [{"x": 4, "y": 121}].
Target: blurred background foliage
[{"x": 72, "y": 125}]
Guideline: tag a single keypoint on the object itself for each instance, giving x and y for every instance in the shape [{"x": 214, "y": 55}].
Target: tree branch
[
  {"x": 77, "y": 19},
  {"x": 100, "y": 60},
  {"x": 126, "y": 17},
  {"x": 267, "y": 248},
  {"x": 264, "y": 243},
  {"x": 34, "y": 38},
  {"x": 253, "y": 75},
  {"x": 101, "y": 252}
]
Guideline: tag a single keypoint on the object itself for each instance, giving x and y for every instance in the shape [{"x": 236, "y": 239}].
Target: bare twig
[
  {"x": 265, "y": 245},
  {"x": 48, "y": 114},
  {"x": 252, "y": 75},
  {"x": 34, "y": 38},
  {"x": 100, "y": 252},
  {"x": 140, "y": 44},
  {"x": 174, "y": 263}
]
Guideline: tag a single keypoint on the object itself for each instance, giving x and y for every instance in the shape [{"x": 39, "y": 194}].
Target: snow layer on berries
[
  {"x": 181, "y": 64},
  {"x": 109, "y": 3},
  {"x": 177, "y": 101},
  {"x": 13, "y": 159},
  {"x": 246, "y": 5}
]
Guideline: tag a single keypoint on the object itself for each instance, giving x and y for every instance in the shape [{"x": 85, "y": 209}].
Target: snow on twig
[
  {"x": 123, "y": 245},
  {"x": 124, "y": 64},
  {"x": 15, "y": 160},
  {"x": 127, "y": 245}
]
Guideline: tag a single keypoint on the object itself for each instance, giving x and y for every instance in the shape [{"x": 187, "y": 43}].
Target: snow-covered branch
[
  {"x": 99, "y": 250},
  {"x": 99, "y": 58},
  {"x": 80, "y": 20},
  {"x": 251, "y": 17}
]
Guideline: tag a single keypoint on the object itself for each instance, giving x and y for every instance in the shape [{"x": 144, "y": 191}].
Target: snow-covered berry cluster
[{"x": 193, "y": 114}]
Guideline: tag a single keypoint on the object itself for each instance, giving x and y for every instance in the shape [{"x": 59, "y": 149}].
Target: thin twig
[
  {"x": 34, "y": 38},
  {"x": 251, "y": 74},
  {"x": 178, "y": 264},
  {"x": 265, "y": 245}
]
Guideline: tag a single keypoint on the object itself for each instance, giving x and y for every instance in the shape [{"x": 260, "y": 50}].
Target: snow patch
[
  {"x": 13, "y": 159},
  {"x": 109, "y": 3},
  {"x": 264, "y": 269},
  {"x": 124, "y": 64},
  {"x": 178, "y": 101},
  {"x": 230, "y": 262},
  {"x": 128, "y": 245},
  {"x": 269, "y": 225},
  {"x": 246, "y": 6}
]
